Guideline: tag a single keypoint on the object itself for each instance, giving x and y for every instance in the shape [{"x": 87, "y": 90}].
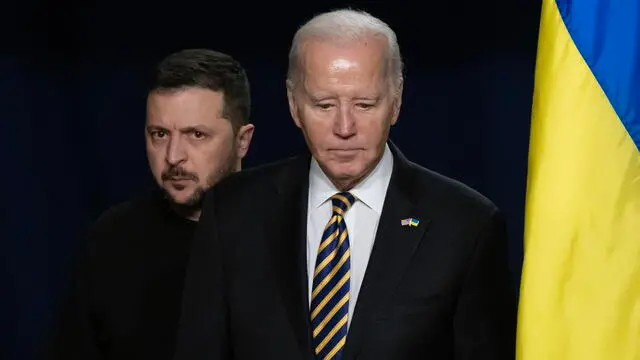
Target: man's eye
[
  {"x": 324, "y": 106},
  {"x": 198, "y": 134},
  {"x": 158, "y": 134}
]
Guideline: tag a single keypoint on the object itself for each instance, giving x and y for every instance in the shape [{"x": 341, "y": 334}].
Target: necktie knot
[{"x": 341, "y": 202}]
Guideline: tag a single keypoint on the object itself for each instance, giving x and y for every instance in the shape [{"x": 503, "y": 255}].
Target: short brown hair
[{"x": 207, "y": 69}]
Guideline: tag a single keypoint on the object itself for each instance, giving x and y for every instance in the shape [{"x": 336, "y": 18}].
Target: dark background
[{"x": 72, "y": 101}]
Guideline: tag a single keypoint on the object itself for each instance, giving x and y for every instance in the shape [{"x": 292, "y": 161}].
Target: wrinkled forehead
[{"x": 324, "y": 63}]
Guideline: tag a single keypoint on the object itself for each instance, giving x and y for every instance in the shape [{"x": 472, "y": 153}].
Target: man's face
[
  {"x": 345, "y": 104},
  {"x": 189, "y": 145}
]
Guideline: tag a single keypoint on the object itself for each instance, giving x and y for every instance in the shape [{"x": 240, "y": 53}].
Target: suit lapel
[
  {"x": 287, "y": 229},
  {"x": 391, "y": 254}
]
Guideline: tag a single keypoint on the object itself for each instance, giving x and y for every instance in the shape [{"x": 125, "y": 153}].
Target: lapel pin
[{"x": 409, "y": 222}]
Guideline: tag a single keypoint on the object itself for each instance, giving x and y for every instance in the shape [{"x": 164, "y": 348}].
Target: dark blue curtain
[{"x": 72, "y": 94}]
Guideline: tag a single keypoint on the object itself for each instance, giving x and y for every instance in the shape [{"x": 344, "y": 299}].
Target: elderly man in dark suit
[{"x": 349, "y": 251}]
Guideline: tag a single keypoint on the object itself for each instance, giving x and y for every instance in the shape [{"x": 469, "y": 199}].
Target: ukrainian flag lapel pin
[{"x": 410, "y": 222}]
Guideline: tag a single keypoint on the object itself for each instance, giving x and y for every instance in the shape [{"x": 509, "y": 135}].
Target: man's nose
[
  {"x": 345, "y": 125},
  {"x": 176, "y": 153}
]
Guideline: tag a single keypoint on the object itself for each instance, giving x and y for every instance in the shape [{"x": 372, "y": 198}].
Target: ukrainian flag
[{"x": 580, "y": 295}]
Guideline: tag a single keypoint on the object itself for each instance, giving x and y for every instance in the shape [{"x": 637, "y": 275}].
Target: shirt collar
[{"x": 370, "y": 191}]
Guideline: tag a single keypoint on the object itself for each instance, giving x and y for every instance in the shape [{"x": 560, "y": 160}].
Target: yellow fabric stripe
[
  {"x": 329, "y": 276},
  {"x": 328, "y": 240},
  {"x": 331, "y": 313},
  {"x": 333, "y": 219},
  {"x": 331, "y": 255},
  {"x": 335, "y": 349},
  {"x": 331, "y": 333},
  {"x": 330, "y": 295}
]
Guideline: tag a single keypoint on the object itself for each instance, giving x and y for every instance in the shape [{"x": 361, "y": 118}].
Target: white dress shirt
[{"x": 361, "y": 219}]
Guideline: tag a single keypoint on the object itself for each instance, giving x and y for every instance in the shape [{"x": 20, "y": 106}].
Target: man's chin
[{"x": 191, "y": 200}]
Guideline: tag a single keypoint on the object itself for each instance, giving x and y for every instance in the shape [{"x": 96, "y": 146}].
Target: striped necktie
[{"x": 330, "y": 296}]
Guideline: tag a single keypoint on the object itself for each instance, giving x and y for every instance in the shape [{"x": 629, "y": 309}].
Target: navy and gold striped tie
[{"x": 330, "y": 295}]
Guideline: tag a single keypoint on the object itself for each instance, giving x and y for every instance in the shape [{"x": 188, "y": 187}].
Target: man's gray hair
[{"x": 343, "y": 26}]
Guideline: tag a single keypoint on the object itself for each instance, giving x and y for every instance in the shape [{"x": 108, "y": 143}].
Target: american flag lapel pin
[{"x": 410, "y": 222}]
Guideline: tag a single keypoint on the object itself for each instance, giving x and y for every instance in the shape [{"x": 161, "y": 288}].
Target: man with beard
[{"x": 125, "y": 302}]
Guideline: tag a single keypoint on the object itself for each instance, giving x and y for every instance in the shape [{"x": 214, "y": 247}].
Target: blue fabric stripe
[
  {"x": 334, "y": 340},
  {"x": 344, "y": 289},
  {"x": 329, "y": 267},
  {"x": 607, "y": 34},
  {"x": 332, "y": 245},
  {"x": 332, "y": 322}
]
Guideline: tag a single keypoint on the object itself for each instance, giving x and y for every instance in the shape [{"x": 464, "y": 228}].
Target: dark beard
[
  {"x": 195, "y": 201},
  {"x": 192, "y": 205}
]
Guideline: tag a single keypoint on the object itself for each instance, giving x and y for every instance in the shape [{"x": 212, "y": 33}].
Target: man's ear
[
  {"x": 243, "y": 140},
  {"x": 293, "y": 106},
  {"x": 397, "y": 103}
]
